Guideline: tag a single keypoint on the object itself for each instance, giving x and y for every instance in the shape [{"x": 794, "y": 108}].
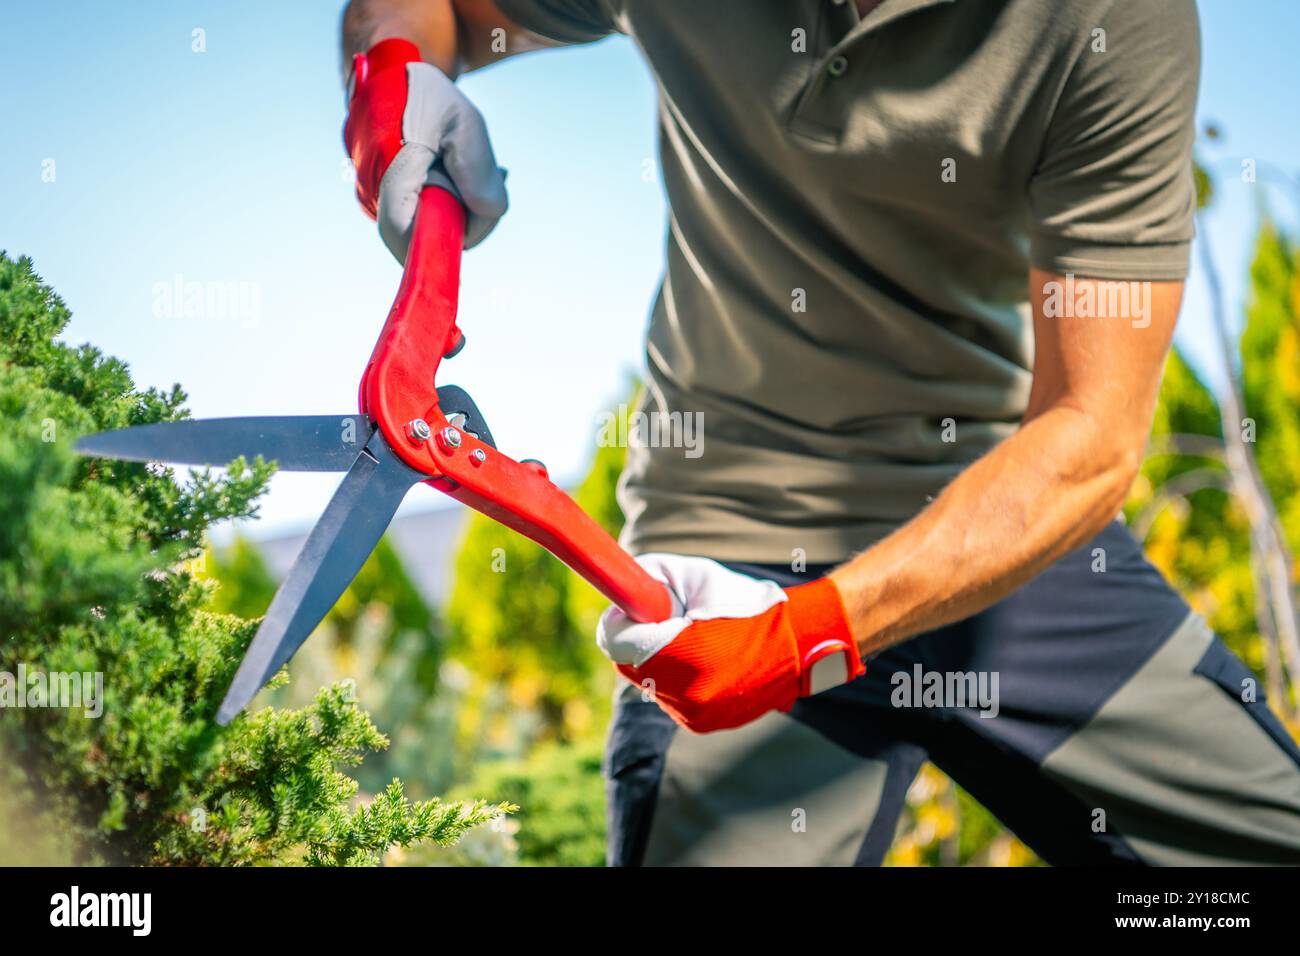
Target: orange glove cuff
[{"x": 828, "y": 654}]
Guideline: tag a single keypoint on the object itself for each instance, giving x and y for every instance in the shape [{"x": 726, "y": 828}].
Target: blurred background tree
[{"x": 1217, "y": 504}]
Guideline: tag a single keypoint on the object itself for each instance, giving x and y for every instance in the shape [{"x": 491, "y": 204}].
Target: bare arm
[
  {"x": 453, "y": 35},
  {"x": 1046, "y": 490}
]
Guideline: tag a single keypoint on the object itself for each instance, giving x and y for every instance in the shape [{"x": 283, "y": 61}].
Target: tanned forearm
[
  {"x": 1043, "y": 492},
  {"x": 453, "y": 35}
]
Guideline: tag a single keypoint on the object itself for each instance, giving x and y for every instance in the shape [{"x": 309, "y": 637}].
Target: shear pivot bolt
[
  {"x": 419, "y": 430},
  {"x": 449, "y": 437}
]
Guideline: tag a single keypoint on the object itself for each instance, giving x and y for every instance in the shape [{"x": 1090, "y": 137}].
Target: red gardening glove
[
  {"x": 737, "y": 647},
  {"x": 405, "y": 116}
]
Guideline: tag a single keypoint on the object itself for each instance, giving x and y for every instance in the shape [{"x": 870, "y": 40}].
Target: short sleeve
[
  {"x": 564, "y": 21},
  {"x": 1113, "y": 196}
]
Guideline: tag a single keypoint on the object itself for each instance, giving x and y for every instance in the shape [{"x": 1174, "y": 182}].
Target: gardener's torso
[{"x": 843, "y": 313}]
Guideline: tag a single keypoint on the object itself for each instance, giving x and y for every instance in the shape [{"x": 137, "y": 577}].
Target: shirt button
[{"x": 838, "y": 66}]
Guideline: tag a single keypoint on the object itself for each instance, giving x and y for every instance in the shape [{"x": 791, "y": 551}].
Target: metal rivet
[
  {"x": 419, "y": 429},
  {"x": 838, "y": 66},
  {"x": 479, "y": 456},
  {"x": 451, "y": 437}
]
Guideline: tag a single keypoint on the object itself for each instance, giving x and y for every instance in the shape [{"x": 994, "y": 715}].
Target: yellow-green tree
[
  {"x": 522, "y": 630},
  {"x": 1218, "y": 503}
]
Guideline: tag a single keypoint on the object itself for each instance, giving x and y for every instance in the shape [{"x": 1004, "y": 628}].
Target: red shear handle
[
  {"x": 555, "y": 521},
  {"x": 421, "y": 326},
  {"x": 398, "y": 388}
]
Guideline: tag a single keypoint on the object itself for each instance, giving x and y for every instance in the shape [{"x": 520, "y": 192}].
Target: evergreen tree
[{"x": 97, "y": 577}]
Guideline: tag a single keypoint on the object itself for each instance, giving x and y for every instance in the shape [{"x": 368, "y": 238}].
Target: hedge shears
[{"x": 408, "y": 430}]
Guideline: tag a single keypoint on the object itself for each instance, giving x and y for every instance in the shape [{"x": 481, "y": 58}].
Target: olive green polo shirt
[{"x": 855, "y": 205}]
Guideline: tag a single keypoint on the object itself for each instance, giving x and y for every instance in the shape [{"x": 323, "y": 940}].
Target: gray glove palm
[{"x": 442, "y": 140}]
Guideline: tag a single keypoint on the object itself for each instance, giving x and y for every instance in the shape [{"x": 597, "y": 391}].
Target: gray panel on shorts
[
  {"x": 739, "y": 798},
  {"x": 1184, "y": 774}
]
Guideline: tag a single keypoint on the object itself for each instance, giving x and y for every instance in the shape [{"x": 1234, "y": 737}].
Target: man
[{"x": 924, "y": 263}]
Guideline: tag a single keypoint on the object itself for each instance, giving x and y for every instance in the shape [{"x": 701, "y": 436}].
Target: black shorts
[{"x": 1090, "y": 711}]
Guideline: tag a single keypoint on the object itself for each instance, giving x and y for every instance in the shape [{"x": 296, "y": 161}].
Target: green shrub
[
  {"x": 95, "y": 579},
  {"x": 559, "y": 796}
]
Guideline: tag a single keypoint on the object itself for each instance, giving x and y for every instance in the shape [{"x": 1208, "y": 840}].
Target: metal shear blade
[
  {"x": 348, "y": 530},
  {"x": 343, "y": 538},
  {"x": 294, "y": 442}
]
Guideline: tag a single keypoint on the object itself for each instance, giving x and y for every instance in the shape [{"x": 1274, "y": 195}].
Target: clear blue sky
[{"x": 227, "y": 167}]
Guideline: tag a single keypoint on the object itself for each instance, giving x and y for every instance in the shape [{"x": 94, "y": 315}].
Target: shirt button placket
[{"x": 819, "y": 113}]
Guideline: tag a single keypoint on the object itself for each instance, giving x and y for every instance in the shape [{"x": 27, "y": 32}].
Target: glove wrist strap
[{"x": 828, "y": 654}]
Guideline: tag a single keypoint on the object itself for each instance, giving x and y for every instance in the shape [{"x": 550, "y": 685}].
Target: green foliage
[
  {"x": 1270, "y": 358},
  {"x": 1204, "y": 186},
  {"x": 1186, "y": 407},
  {"x": 246, "y": 585},
  {"x": 521, "y": 627},
  {"x": 1201, "y": 540},
  {"x": 383, "y": 642},
  {"x": 361, "y": 837},
  {"x": 97, "y": 577},
  {"x": 384, "y": 637},
  {"x": 535, "y": 691},
  {"x": 407, "y": 628},
  {"x": 561, "y": 799}
]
